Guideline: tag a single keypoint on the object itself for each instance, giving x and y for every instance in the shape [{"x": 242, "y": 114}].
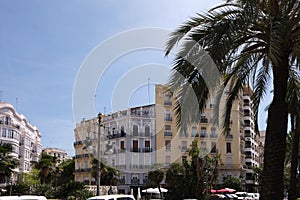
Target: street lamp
[{"x": 99, "y": 154}]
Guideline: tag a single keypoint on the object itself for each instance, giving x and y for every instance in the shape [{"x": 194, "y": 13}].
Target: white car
[
  {"x": 251, "y": 196},
  {"x": 242, "y": 195},
  {"x": 113, "y": 197}
]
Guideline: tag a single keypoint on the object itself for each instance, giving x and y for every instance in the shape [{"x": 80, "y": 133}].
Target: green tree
[
  {"x": 109, "y": 174},
  {"x": 250, "y": 41},
  {"x": 47, "y": 166},
  {"x": 65, "y": 171},
  {"x": 232, "y": 182},
  {"x": 156, "y": 177},
  {"x": 31, "y": 179},
  {"x": 176, "y": 182},
  {"x": 7, "y": 162},
  {"x": 293, "y": 98}
]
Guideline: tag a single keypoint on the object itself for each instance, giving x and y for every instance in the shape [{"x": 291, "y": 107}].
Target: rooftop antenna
[
  {"x": 16, "y": 103},
  {"x": 104, "y": 110},
  {"x": 149, "y": 89}
]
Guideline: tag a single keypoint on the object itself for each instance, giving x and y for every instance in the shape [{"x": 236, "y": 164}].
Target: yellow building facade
[{"x": 172, "y": 145}]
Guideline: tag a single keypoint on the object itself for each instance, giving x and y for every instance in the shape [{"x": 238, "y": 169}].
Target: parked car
[
  {"x": 242, "y": 195},
  {"x": 217, "y": 197},
  {"x": 23, "y": 197},
  {"x": 251, "y": 196},
  {"x": 113, "y": 197}
]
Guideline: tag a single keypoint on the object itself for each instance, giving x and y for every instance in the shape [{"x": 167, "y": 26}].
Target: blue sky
[{"x": 44, "y": 43}]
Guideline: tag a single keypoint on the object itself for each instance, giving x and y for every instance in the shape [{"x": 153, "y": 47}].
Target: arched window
[
  {"x": 147, "y": 130},
  {"x": 135, "y": 130}
]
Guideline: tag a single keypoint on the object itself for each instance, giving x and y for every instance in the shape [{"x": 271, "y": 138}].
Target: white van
[
  {"x": 113, "y": 197},
  {"x": 23, "y": 197}
]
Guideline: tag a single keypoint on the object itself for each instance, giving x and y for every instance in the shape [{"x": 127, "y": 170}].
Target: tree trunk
[
  {"x": 275, "y": 143},
  {"x": 294, "y": 161}
]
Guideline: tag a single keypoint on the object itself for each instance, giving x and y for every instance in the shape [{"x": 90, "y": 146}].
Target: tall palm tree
[
  {"x": 46, "y": 165},
  {"x": 251, "y": 42},
  {"x": 293, "y": 98}
]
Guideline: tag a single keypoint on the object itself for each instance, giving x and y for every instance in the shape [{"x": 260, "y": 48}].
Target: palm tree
[
  {"x": 293, "y": 98},
  {"x": 250, "y": 42},
  {"x": 46, "y": 165}
]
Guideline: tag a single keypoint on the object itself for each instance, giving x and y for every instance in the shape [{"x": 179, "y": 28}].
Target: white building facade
[
  {"x": 24, "y": 138},
  {"x": 127, "y": 143}
]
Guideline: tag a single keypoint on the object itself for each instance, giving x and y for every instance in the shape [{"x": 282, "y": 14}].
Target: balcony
[
  {"x": 203, "y": 120},
  {"x": 122, "y": 150},
  {"x": 147, "y": 149},
  {"x": 83, "y": 170},
  {"x": 203, "y": 135},
  {"x": 168, "y": 103},
  {"x": 122, "y": 181},
  {"x": 229, "y": 136},
  {"x": 86, "y": 155},
  {"x": 168, "y": 134},
  {"x": 213, "y": 135},
  {"x": 195, "y": 135},
  {"x": 135, "y": 149},
  {"x": 145, "y": 181},
  {"x": 168, "y": 119},
  {"x": 135, "y": 181},
  {"x": 118, "y": 135}
]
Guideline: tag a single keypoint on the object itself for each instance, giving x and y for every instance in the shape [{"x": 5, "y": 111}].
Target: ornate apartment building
[
  {"x": 24, "y": 138},
  {"x": 143, "y": 136},
  {"x": 127, "y": 143},
  {"x": 238, "y": 148},
  {"x": 60, "y": 154}
]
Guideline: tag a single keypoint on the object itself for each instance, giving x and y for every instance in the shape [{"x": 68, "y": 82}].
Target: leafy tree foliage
[
  {"x": 156, "y": 177},
  {"x": 7, "y": 162},
  {"x": 46, "y": 166},
  {"x": 189, "y": 180},
  {"x": 108, "y": 174},
  {"x": 232, "y": 182},
  {"x": 251, "y": 42}
]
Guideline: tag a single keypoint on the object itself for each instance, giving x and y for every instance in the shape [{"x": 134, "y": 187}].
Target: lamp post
[{"x": 99, "y": 155}]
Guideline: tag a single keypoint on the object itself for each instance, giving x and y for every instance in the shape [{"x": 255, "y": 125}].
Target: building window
[
  {"x": 203, "y": 132},
  {"x": 86, "y": 164},
  {"x": 3, "y": 132},
  {"x": 228, "y": 147},
  {"x": 135, "y": 145},
  {"x": 147, "y": 130},
  {"x": 168, "y": 145},
  {"x": 168, "y": 99},
  {"x": 213, "y": 133},
  {"x": 167, "y": 127},
  {"x": 213, "y": 147},
  {"x": 184, "y": 158},
  {"x": 135, "y": 130},
  {"x": 7, "y": 121},
  {"x": 184, "y": 146},
  {"x": 122, "y": 145},
  {"x": 194, "y": 132},
  {"x": 168, "y": 160},
  {"x": 168, "y": 116}
]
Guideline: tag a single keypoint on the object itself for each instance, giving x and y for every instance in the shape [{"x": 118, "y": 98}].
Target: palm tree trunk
[
  {"x": 275, "y": 143},
  {"x": 294, "y": 161}
]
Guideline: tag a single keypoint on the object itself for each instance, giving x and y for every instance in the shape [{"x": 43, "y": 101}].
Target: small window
[
  {"x": 135, "y": 130},
  {"x": 228, "y": 147}
]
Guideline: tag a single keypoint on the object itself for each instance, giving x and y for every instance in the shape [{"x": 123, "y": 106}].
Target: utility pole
[{"x": 99, "y": 156}]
